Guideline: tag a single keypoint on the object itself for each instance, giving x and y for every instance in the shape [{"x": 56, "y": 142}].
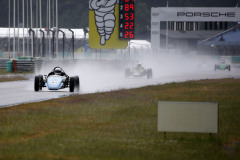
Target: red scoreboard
[{"x": 126, "y": 19}]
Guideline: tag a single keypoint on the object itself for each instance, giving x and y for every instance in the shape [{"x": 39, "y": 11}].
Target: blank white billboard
[{"x": 187, "y": 117}]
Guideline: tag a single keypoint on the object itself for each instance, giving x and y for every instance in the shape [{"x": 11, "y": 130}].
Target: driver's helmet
[
  {"x": 57, "y": 71},
  {"x": 139, "y": 64},
  {"x": 222, "y": 61}
]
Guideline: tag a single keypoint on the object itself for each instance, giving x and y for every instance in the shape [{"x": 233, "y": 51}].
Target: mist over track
[{"x": 101, "y": 76}]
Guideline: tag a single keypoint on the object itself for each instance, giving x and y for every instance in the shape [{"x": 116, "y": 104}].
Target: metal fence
[
  {"x": 24, "y": 66},
  {"x": 17, "y": 65},
  {"x": 38, "y": 65},
  {"x": 3, "y": 63}
]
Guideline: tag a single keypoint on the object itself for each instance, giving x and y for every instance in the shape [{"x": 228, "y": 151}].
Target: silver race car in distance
[
  {"x": 138, "y": 71},
  {"x": 55, "y": 80}
]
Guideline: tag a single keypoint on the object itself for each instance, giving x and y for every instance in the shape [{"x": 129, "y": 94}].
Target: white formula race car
[
  {"x": 138, "y": 71},
  {"x": 55, "y": 80},
  {"x": 222, "y": 66}
]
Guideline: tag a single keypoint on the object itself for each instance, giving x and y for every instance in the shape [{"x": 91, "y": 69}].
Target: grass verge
[
  {"x": 121, "y": 125},
  {"x": 12, "y": 76},
  {"x": 4, "y": 72}
]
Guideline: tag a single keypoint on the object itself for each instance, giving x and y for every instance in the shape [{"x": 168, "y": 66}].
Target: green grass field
[
  {"x": 121, "y": 125},
  {"x": 4, "y": 72},
  {"x": 12, "y": 78}
]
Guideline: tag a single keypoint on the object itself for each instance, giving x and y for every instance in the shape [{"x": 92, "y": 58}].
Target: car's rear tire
[
  {"x": 149, "y": 73},
  {"x": 71, "y": 87},
  {"x": 40, "y": 82},
  {"x": 77, "y": 85},
  {"x": 215, "y": 67},
  {"x": 36, "y": 83},
  {"x": 229, "y": 68}
]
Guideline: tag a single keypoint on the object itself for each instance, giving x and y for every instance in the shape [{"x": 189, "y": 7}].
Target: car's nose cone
[{"x": 54, "y": 83}]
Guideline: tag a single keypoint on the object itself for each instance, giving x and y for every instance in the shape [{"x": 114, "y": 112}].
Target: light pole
[
  {"x": 43, "y": 43},
  {"x": 9, "y": 23},
  {"x": 32, "y": 38},
  {"x": 27, "y": 27},
  {"x": 63, "y": 41},
  {"x": 72, "y": 42},
  {"x": 40, "y": 13},
  {"x": 49, "y": 23},
  {"x": 23, "y": 27},
  {"x": 167, "y": 32},
  {"x": 36, "y": 26},
  {"x": 57, "y": 26},
  {"x": 31, "y": 25},
  {"x": 18, "y": 26},
  {"x": 40, "y": 26},
  {"x": 14, "y": 40},
  {"x": 53, "y": 41}
]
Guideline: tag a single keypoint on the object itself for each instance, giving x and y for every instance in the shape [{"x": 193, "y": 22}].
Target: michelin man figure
[{"x": 104, "y": 17}]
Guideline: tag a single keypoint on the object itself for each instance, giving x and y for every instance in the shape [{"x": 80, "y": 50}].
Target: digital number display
[{"x": 126, "y": 19}]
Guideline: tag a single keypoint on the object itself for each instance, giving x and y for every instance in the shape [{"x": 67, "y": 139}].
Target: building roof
[{"x": 230, "y": 37}]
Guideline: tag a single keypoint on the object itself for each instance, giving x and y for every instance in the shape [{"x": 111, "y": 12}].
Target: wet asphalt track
[{"x": 19, "y": 92}]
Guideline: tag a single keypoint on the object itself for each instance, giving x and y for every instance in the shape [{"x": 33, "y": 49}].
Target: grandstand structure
[
  {"x": 226, "y": 43},
  {"x": 209, "y": 29}
]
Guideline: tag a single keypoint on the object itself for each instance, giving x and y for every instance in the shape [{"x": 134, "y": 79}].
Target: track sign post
[{"x": 103, "y": 25}]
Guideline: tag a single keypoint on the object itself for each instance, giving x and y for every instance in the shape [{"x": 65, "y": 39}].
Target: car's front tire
[
  {"x": 40, "y": 82},
  {"x": 36, "y": 83}
]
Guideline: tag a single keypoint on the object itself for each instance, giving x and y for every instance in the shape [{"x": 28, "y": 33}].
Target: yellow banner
[{"x": 103, "y": 25}]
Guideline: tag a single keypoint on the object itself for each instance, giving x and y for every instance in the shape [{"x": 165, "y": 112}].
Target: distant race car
[
  {"x": 222, "y": 66},
  {"x": 138, "y": 71},
  {"x": 55, "y": 80}
]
